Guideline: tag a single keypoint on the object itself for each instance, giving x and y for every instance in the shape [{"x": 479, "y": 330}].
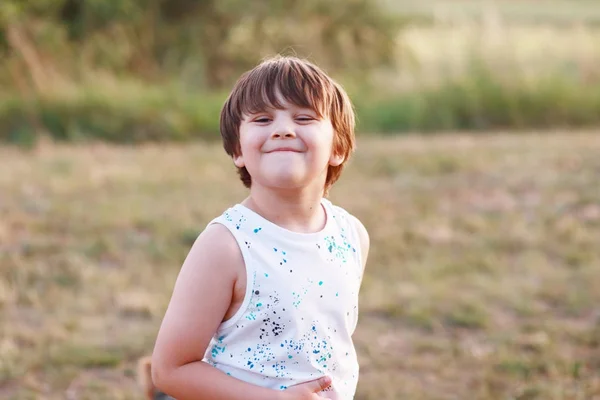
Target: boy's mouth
[{"x": 284, "y": 149}]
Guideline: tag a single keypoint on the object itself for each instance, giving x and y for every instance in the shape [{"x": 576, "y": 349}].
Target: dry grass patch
[{"x": 483, "y": 279}]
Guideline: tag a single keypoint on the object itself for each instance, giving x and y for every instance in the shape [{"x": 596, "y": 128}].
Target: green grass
[
  {"x": 142, "y": 114},
  {"x": 479, "y": 100},
  {"x": 482, "y": 282},
  {"x": 482, "y": 100}
]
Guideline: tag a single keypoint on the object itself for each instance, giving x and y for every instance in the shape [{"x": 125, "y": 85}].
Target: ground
[{"x": 483, "y": 280}]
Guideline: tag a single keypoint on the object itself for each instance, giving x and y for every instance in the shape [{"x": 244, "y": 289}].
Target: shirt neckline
[{"x": 303, "y": 236}]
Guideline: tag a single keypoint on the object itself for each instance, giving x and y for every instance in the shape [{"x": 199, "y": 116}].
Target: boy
[{"x": 267, "y": 299}]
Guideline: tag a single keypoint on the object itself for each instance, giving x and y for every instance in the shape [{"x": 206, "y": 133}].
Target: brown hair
[{"x": 301, "y": 83}]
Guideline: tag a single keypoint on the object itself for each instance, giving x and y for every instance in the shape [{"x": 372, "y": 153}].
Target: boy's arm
[{"x": 200, "y": 300}]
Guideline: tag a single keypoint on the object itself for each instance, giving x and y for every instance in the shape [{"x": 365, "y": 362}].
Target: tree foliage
[{"x": 207, "y": 41}]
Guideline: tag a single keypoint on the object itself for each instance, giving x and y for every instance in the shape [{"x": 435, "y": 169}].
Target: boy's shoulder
[
  {"x": 217, "y": 243},
  {"x": 215, "y": 251}
]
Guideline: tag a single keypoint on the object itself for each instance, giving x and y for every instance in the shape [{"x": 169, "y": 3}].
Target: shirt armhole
[
  {"x": 356, "y": 240},
  {"x": 250, "y": 277}
]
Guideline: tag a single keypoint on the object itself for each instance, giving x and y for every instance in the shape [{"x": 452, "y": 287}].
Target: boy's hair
[{"x": 301, "y": 83}]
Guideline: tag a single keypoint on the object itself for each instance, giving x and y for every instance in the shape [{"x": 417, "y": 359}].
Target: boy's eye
[
  {"x": 305, "y": 118},
  {"x": 262, "y": 120}
]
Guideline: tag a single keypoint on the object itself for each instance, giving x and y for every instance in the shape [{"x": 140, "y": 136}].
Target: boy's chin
[
  {"x": 289, "y": 180},
  {"x": 288, "y": 183}
]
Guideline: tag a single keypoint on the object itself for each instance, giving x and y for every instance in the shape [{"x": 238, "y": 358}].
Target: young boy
[{"x": 266, "y": 301}]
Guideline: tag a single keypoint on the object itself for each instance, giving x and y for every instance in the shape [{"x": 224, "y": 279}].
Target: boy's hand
[{"x": 308, "y": 390}]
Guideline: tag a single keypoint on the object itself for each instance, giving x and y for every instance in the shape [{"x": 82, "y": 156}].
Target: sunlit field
[
  {"x": 514, "y": 52},
  {"x": 483, "y": 280},
  {"x": 558, "y": 12}
]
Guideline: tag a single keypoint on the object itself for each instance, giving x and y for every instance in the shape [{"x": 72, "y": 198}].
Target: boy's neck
[{"x": 295, "y": 210}]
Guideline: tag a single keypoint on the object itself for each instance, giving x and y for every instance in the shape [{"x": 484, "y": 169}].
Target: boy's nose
[{"x": 283, "y": 134}]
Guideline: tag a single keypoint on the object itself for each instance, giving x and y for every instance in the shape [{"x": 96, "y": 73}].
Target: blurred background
[{"x": 478, "y": 168}]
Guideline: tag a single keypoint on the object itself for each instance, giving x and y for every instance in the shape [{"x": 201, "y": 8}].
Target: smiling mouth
[{"x": 284, "y": 150}]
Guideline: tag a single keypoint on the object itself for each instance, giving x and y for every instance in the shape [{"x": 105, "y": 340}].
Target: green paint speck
[{"x": 320, "y": 283}]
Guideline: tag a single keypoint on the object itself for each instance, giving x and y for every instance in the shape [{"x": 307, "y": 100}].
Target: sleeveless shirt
[{"x": 300, "y": 307}]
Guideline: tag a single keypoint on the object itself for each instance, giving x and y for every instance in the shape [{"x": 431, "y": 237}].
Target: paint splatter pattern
[{"x": 301, "y": 304}]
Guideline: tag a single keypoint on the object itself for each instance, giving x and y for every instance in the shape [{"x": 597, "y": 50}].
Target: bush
[
  {"x": 482, "y": 101},
  {"x": 168, "y": 116}
]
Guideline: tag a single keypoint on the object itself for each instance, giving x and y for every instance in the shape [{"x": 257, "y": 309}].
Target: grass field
[{"x": 483, "y": 280}]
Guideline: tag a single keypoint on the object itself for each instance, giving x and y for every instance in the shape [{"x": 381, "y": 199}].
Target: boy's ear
[
  {"x": 336, "y": 159},
  {"x": 238, "y": 160}
]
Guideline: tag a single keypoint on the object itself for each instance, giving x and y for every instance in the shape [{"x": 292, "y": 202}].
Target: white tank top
[{"x": 301, "y": 304}]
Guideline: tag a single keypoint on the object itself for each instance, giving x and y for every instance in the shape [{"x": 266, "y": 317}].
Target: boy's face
[{"x": 286, "y": 149}]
